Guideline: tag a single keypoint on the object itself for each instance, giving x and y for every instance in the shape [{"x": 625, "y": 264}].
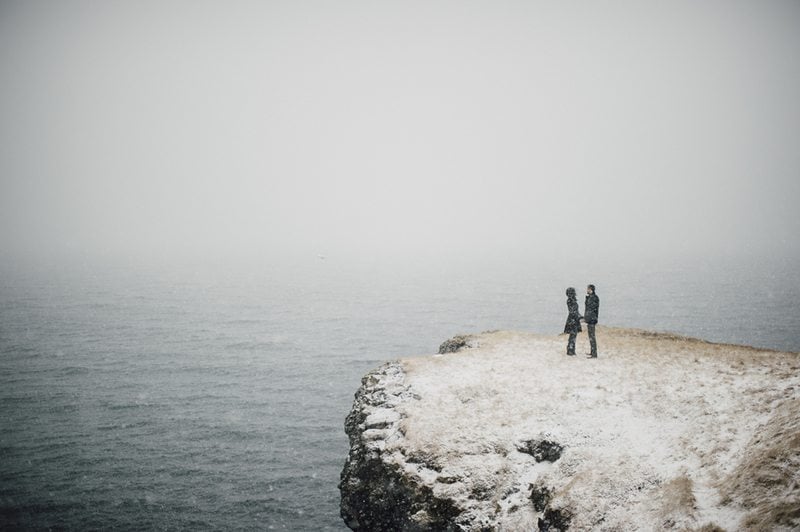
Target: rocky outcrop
[
  {"x": 457, "y": 343},
  {"x": 660, "y": 432},
  {"x": 381, "y": 489},
  {"x": 542, "y": 449}
]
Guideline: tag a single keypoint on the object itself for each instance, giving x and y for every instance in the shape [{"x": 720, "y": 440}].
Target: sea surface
[{"x": 158, "y": 399}]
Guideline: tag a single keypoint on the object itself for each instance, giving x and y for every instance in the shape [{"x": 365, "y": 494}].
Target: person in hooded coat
[{"x": 573, "y": 325}]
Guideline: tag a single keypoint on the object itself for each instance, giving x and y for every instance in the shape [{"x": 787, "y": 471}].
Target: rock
[
  {"x": 455, "y": 344},
  {"x": 554, "y": 520},
  {"x": 540, "y": 496},
  {"x": 381, "y": 418},
  {"x": 376, "y": 492},
  {"x": 541, "y": 449}
]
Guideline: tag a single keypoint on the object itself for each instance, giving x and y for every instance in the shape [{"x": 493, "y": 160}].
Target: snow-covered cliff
[{"x": 508, "y": 433}]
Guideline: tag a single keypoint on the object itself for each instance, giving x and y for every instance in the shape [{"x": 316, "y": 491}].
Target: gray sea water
[{"x": 139, "y": 399}]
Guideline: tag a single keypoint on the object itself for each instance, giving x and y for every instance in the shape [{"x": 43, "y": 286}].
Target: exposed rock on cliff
[
  {"x": 660, "y": 432},
  {"x": 457, "y": 343}
]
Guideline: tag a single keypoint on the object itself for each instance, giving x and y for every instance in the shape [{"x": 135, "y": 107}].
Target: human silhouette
[
  {"x": 591, "y": 309},
  {"x": 573, "y": 325}
]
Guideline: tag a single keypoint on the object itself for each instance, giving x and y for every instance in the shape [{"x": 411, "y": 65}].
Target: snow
[{"x": 650, "y": 429}]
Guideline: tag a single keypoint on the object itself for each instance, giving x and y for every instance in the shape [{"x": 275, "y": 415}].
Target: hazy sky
[{"x": 397, "y": 129}]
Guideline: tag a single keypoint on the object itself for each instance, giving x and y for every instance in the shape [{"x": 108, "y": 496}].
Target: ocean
[{"x": 165, "y": 399}]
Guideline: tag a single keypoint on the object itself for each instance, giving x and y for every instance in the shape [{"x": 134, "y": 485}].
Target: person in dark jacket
[
  {"x": 573, "y": 325},
  {"x": 591, "y": 311}
]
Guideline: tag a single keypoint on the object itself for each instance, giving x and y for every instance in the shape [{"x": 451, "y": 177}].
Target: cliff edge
[{"x": 505, "y": 432}]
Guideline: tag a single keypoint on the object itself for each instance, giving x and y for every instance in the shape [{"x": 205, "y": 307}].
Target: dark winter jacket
[
  {"x": 591, "y": 308},
  {"x": 573, "y": 324}
]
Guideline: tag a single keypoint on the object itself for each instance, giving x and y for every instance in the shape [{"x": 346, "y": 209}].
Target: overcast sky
[{"x": 354, "y": 129}]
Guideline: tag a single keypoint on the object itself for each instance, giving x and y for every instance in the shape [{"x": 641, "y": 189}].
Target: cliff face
[
  {"x": 508, "y": 433},
  {"x": 382, "y": 487}
]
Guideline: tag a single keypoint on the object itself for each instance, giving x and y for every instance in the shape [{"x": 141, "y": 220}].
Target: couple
[{"x": 573, "y": 326}]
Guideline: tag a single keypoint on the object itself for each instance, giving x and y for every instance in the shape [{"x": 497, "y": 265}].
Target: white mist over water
[
  {"x": 402, "y": 129},
  {"x": 137, "y": 399}
]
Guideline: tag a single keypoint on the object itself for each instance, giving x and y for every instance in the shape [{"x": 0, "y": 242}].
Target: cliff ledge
[{"x": 508, "y": 433}]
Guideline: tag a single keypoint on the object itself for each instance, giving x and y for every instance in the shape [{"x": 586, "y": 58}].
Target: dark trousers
[
  {"x": 571, "y": 343},
  {"x": 592, "y": 340}
]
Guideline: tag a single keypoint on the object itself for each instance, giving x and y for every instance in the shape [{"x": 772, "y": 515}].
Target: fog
[{"x": 514, "y": 130}]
